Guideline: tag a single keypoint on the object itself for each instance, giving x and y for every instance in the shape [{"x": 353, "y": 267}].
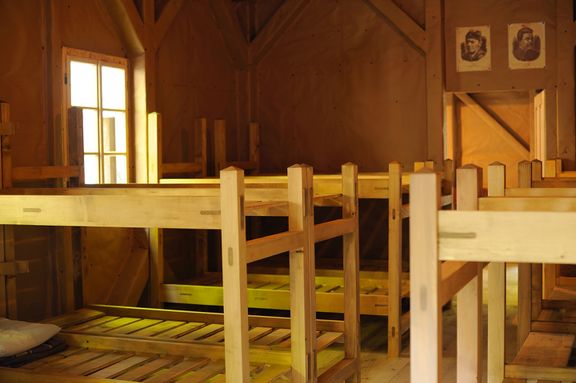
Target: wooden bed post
[
  {"x": 525, "y": 175},
  {"x": 469, "y": 298},
  {"x": 536, "y": 170},
  {"x": 155, "y": 235},
  {"x": 219, "y": 145},
  {"x": 302, "y": 275},
  {"x": 425, "y": 310},
  {"x": 351, "y": 263},
  {"x": 394, "y": 259},
  {"x": 234, "y": 275},
  {"x": 496, "y": 290},
  {"x": 536, "y": 283}
]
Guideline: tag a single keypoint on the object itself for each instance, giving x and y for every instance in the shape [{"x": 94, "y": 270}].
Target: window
[{"x": 97, "y": 83}]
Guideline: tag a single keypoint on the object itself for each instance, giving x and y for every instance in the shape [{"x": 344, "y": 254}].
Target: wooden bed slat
[
  {"x": 177, "y": 370},
  {"x": 121, "y": 367}
]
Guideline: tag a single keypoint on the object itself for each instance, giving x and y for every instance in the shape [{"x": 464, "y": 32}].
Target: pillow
[{"x": 18, "y": 336}]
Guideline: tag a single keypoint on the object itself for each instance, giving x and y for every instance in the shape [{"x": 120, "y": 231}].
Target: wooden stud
[
  {"x": 394, "y": 259},
  {"x": 302, "y": 275},
  {"x": 425, "y": 310},
  {"x": 351, "y": 252},
  {"x": 234, "y": 272},
  {"x": 496, "y": 290},
  {"x": 469, "y": 308}
]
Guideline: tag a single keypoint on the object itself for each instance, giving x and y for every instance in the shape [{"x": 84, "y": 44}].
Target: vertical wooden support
[
  {"x": 302, "y": 275},
  {"x": 234, "y": 275},
  {"x": 76, "y": 140},
  {"x": 550, "y": 168},
  {"x": 536, "y": 170},
  {"x": 496, "y": 291},
  {"x": 448, "y": 182},
  {"x": 351, "y": 252},
  {"x": 524, "y": 269},
  {"x": 394, "y": 259},
  {"x": 425, "y": 310},
  {"x": 200, "y": 145},
  {"x": 219, "y": 145},
  {"x": 469, "y": 298},
  {"x": 155, "y": 235},
  {"x": 254, "y": 147},
  {"x": 8, "y": 306},
  {"x": 154, "y": 145},
  {"x": 450, "y": 126}
]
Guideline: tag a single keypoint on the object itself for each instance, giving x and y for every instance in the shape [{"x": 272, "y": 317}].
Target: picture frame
[
  {"x": 473, "y": 49},
  {"x": 526, "y": 45}
]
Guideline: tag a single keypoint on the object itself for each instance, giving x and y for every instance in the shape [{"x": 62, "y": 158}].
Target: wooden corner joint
[{"x": 14, "y": 268}]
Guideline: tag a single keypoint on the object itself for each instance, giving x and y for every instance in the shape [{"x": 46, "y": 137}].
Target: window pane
[
  {"x": 91, "y": 169},
  {"x": 83, "y": 86},
  {"x": 115, "y": 169},
  {"x": 114, "y": 131},
  {"x": 90, "y": 132},
  {"x": 113, "y": 88}
]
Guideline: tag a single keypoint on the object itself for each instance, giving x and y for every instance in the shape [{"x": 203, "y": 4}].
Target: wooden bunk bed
[
  {"x": 110, "y": 343},
  {"x": 521, "y": 225}
]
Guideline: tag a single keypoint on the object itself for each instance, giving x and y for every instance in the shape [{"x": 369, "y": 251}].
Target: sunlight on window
[
  {"x": 114, "y": 131},
  {"x": 115, "y": 169},
  {"x": 83, "y": 80},
  {"x": 113, "y": 88},
  {"x": 90, "y": 123},
  {"x": 91, "y": 171}
]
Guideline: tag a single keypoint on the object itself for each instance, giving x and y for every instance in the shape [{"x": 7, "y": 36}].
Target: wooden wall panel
[
  {"x": 195, "y": 77},
  {"x": 341, "y": 85}
]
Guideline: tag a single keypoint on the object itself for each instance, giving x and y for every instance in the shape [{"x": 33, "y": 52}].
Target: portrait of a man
[
  {"x": 473, "y": 48},
  {"x": 526, "y": 45}
]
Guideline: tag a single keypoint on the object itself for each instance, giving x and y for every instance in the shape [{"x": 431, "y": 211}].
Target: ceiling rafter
[
  {"x": 231, "y": 32},
  {"x": 165, "y": 21},
  {"x": 129, "y": 24},
  {"x": 401, "y": 21},
  {"x": 282, "y": 19}
]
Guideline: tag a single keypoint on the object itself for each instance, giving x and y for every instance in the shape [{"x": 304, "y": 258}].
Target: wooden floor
[{"x": 378, "y": 368}]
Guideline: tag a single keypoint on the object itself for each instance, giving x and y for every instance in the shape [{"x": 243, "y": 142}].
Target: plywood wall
[{"x": 341, "y": 85}]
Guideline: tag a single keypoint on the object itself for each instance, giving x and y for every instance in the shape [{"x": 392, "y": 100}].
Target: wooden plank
[
  {"x": 535, "y": 373},
  {"x": 401, "y": 22},
  {"x": 78, "y": 316},
  {"x": 264, "y": 247},
  {"x": 205, "y": 373},
  {"x": 22, "y": 376},
  {"x": 394, "y": 258},
  {"x": 27, "y": 173},
  {"x": 469, "y": 309},
  {"x": 561, "y": 204},
  {"x": 340, "y": 372},
  {"x": 110, "y": 211},
  {"x": 220, "y": 158},
  {"x": 425, "y": 310},
  {"x": 234, "y": 273},
  {"x": 543, "y": 349},
  {"x": 142, "y": 372},
  {"x": 282, "y": 19},
  {"x": 121, "y": 367},
  {"x": 333, "y": 229},
  {"x": 351, "y": 253},
  {"x": 97, "y": 364},
  {"x": 231, "y": 32},
  {"x": 177, "y": 370},
  {"x": 302, "y": 272}
]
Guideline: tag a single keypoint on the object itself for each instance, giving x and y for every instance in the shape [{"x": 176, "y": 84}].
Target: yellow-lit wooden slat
[
  {"x": 541, "y": 192},
  {"x": 265, "y": 247},
  {"x": 496, "y": 236},
  {"x": 111, "y": 211},
  {"x": 332, "y": 229},
  {"x": 556, "y": 374},
  {"x": 527, "y": 204}
]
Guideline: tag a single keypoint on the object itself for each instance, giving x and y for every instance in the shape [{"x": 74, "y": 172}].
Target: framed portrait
[
  {"x": 526, "y": 45},
  {"x": 473, "y": 51}
]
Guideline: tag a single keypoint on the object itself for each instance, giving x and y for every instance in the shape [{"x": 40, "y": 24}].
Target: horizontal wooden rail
[
  {"x": 29, "y": 173},
  {"x": 528, "y": 204},
  {"x": 541, "y": 192},
  {"x": 111, "y": 211},
  {"x": 339, "y": 372},
  {"x": 332, "y": 229},
  {"x": 181, "y": 167},
  {"x": 454, "y": 276},
  {"x": 268, "y": 246},
  {"x": 500, "y": 236}
]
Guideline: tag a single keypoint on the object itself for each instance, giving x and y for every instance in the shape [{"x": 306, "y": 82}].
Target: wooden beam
[
  {"x": 231, "y": 32},
  {"x": 565, "y": 117},
  {"x": 128, "y": 23},
  {"x": 517, "y": 146},
  {"x": 434, "y": 79},
  {"x": 163, "y": 24},
  {"x": 394, "y": 259},
  {"x": 282, "y": 19},
  {"x": 401, "y": 21}
]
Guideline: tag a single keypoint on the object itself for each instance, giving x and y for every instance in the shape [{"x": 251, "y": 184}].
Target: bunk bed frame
[
  {"x": 511, "y": 225},
  {"x": 194, "y": 208}
]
